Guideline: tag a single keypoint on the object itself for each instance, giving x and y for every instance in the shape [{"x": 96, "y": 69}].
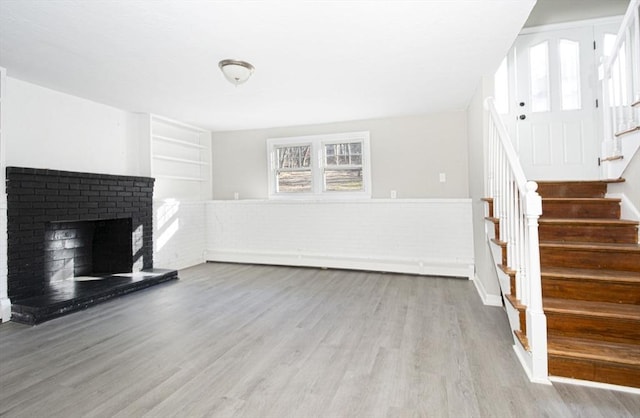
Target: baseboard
[
  {"x": 527, "y": 364},
  {"x": 487, "y": 299},
  {"x": 180, "y": 264},
  {"x": 599, "y": 385},
  {"x": 426, "y": 267},
  {"x": 627, "y": 209}
]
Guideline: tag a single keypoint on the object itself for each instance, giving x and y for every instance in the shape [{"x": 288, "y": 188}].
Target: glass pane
[
  {"x": 294, "y": 181},
  {"x": 570, "y": 74},
  {"x": 539, "y": 68},
  {"x": 349, "y": 153},
  {"x": 501, "y": 88},
  {"x": 349, "y": 180},
  {"x": 294, "y": 157}
]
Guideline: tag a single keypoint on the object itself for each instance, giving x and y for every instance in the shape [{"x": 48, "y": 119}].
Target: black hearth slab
[{"x": 70, "y": 296}]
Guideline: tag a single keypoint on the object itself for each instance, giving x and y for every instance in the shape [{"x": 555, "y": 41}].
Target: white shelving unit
[{"x": 180, "y": 159}]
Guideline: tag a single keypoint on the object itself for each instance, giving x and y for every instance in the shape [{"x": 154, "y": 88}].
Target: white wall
[
  {"x": 5, "y": 305},
  {"x": 420, "y": 236},
  {"x": 179, "y": 234},
  {"x": 630, "y": 189},
  {"x": 407, "y": 155},
  {"x": 486, "y": 278},
  {"x": 49, "y": 129}
]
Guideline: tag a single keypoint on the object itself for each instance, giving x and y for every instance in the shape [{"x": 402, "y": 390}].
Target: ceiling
[{"x": 316, "y": 61}]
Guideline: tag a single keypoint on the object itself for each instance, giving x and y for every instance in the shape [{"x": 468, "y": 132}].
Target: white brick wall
[
  {"x": 179, "y": 236},
  {"x": 5, "y": 306},
  {"x": 423, "y": 236}
]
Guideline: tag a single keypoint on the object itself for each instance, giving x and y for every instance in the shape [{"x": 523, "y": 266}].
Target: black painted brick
[{"x": 77, "y": 196}]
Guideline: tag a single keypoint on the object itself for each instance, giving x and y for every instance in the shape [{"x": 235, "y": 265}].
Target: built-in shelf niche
[{"x": 180, "y": 159}]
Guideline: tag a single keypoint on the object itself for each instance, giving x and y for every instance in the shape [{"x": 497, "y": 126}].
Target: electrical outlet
[{"x": 443, "y": 177}]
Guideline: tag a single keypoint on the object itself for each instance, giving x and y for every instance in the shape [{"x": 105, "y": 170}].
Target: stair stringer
[
  {"x": 513, "y": 315},
  {"x": 629, "y": 145},
  {"x": 505, "y": 284}
]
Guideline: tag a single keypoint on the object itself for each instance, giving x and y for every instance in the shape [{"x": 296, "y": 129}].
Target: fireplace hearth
[{"x": 62, "y": 225}]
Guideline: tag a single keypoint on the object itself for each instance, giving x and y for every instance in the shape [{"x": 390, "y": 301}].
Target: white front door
[{"x": 555, "y": 110}]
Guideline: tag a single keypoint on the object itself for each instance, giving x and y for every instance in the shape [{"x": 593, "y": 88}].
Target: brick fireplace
[{"x": 62, "y": 225}]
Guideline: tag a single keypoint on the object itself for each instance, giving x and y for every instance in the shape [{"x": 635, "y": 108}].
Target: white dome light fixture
[{"x": 237, "y": 72}]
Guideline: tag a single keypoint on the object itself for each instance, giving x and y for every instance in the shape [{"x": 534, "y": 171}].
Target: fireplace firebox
[{"x": 86, "y": 248}]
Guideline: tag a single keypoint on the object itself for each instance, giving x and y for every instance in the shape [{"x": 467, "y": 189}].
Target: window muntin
[{"x": 320, "y": 166}]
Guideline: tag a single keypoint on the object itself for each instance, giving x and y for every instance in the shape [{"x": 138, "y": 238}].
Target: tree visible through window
[
  {"x": 343, "y": 167},
  {"x": 294, "y": 169}
]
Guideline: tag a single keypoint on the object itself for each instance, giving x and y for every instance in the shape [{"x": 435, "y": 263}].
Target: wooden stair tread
[
  {"x": 626, "y": 354},
  {"x": 498, "y": 242},
  {"x": 594, "y": 309},
  {"x": 592, "y": 274},
  {"x": 592, "y": 246},
  {"x": 522, "y": 338},
  {"x": 506, "y": 270},
  {"x": 583, "y": 200},
  {"x": 515, "y": 302},
  {"x": 575, "y": 188},
  {"x": 587, "y": 221},
  {"x": 574, "y": 182}
]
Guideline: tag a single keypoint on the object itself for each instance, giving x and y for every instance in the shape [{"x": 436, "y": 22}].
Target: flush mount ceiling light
[{"x": 237, "y": 72}]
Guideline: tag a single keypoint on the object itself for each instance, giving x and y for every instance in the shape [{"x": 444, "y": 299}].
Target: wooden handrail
[{"x": 627, "y": 131}]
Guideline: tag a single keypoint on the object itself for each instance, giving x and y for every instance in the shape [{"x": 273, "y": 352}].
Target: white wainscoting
[
  {"x": 417, "y": 236},
  {"x": 179, "y": 235}
]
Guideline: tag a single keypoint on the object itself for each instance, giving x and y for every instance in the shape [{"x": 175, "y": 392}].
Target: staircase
[{"x": 590, "y": 268}]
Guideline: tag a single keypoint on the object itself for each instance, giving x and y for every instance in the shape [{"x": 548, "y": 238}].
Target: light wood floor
[{"x": 258, "y": 341}]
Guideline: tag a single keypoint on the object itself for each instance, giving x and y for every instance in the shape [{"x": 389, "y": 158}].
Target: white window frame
[{"x": 317, "y": 143}]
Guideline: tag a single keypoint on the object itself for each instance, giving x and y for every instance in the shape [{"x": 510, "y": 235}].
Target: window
[
  {"x": 539, "y": 69},
  {"x": 320, "y": 166}
]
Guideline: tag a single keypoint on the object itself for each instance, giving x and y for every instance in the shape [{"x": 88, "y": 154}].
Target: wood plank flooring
[{"x": 230, "y": 340}]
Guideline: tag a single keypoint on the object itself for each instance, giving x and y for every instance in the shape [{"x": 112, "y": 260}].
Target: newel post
[{"x": 536, "y": 319}]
